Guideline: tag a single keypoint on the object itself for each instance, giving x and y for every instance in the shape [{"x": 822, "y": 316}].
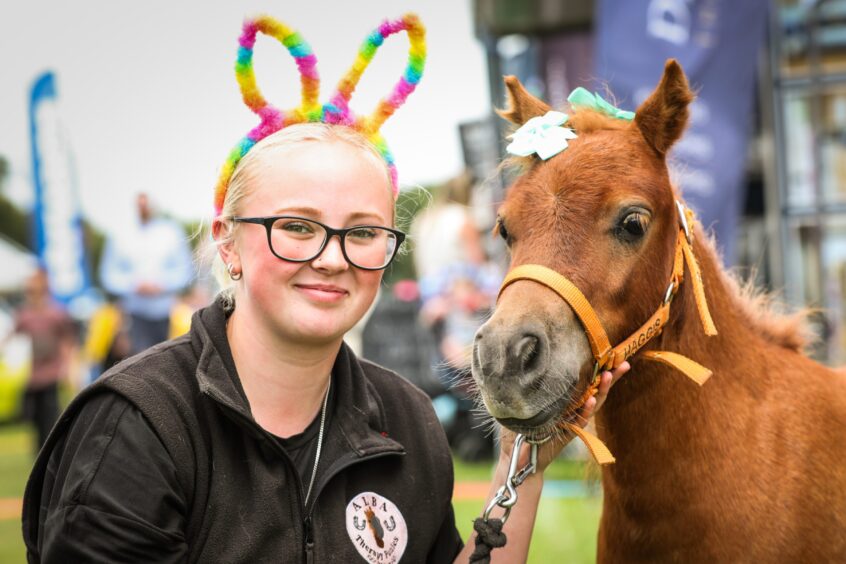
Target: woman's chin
[{"x": 320, "y": 332}]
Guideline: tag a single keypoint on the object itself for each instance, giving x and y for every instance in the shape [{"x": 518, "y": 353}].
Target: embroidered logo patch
[{"x": 376, "y": 528}]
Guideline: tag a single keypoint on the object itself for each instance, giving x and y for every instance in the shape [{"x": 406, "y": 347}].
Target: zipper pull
[{"x": 309, "y": 541}]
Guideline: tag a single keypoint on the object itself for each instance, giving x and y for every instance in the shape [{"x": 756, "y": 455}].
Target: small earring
[{"x": 233, "y": 275}]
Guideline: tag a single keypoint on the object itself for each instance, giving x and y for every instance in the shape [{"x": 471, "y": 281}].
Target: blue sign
[
  {"x": 717, "y": 42},
  {"x": 58, "y": 221}
]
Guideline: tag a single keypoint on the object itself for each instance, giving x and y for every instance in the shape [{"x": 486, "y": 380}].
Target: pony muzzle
[{"x": 528, "y": 370}]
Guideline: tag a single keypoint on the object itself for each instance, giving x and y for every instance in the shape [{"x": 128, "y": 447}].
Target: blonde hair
[{"x": 249, "y": 168}]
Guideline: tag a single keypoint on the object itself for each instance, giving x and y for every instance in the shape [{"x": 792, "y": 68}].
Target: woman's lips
[{"x": 322, "y": 292}]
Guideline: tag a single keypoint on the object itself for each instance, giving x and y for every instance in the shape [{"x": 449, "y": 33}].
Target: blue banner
[
  {"x": 717, "y": 43},
  {"x": 57, "y": 219}
]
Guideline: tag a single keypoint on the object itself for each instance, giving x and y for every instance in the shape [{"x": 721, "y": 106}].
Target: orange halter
[{"x": 608, "y": 357}]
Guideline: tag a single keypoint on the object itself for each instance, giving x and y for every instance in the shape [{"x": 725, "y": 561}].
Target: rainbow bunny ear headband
[{"x": 337, "y": 110}]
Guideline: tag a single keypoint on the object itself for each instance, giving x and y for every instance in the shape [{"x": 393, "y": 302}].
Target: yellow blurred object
[
  {"x": 102, "y": 329},
  {"x": 180, "y": 319},
  {"x": 15, "y": 366}
]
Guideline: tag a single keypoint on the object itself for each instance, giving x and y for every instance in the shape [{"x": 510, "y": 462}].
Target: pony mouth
[
  {"x": 542, "y": 423},
  {"x": 548, "y": 421}
]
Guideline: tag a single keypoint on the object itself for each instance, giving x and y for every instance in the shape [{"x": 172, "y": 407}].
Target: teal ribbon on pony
[{"x": 584, "y": 99}]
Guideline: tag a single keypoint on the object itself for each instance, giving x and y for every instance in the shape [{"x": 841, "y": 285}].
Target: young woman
[{"x": 259, "y": 436}]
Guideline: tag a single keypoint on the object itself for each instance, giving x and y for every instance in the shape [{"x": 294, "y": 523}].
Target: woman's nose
[{"x": 332, "y": 257}]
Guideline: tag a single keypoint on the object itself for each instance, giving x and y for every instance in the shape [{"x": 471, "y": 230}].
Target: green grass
[
  {"x": 11, "y": 543},
  {"x": 561, "y": 469},
  {"x": 565, "y": 530},
  {"x": 16, "y": 457}
]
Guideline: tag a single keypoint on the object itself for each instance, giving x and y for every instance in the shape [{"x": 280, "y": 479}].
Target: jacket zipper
[
  {"x": 308, "y": 527},
  {"x": 309, "y": 540}
]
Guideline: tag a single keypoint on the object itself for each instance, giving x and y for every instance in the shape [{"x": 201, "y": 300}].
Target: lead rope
[{"x": 489, "y": 533}]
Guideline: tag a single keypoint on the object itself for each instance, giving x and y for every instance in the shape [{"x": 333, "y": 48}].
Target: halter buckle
[
  {"x": 683, "y": 221},
  {"x": 670, "y": 293}
]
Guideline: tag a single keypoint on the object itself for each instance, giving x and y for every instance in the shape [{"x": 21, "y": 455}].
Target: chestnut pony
[{"x": 748, "y": 467}]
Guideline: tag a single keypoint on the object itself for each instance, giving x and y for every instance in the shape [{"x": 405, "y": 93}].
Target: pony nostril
[{"x": 528, "y": 352}]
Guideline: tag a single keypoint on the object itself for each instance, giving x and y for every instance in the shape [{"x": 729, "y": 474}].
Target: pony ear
[
  {"x": 521, "y": 106},
  {"x": 662, "y": 118}
]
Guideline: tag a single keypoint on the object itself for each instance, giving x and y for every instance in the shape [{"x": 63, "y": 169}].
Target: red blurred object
[{"x": 406, "y": 291}]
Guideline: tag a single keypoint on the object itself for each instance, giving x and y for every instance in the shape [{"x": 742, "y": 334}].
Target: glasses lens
[
  {"x": 370, "y": 247},
  {"x": 295, "y": 238}
]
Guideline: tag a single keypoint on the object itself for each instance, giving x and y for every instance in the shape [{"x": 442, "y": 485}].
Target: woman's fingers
[
  {"x": 607, "y": 380},
  {"x": 618, "y": 372},
  {"x": 586, "y": 411}
]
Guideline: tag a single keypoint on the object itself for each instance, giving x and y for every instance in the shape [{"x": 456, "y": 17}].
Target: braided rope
[{"x": 489, "y": 536}]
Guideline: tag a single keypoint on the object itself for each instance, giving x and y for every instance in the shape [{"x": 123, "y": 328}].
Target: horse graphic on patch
[{"x": 376, "y": 528}]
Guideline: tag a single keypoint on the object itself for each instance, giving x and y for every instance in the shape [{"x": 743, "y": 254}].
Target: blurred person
[
  {"x": 147, "y": 266},
  {"x": 446, "y": 241},
  {"x": 259, "y": 435},
  {"x": 53, "y": 338},
  {"x": 450, "y": 259},
  {"x": 445, "y": 234},
  {"x": 467, "y": 301},
  {"x": 468, "y": 306}
]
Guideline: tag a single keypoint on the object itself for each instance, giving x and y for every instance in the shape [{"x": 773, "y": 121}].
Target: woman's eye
[
  {"x": 632, "y": 227},
  {"x": 363, "y": 234},
  {"x": 297, "y": 227}
]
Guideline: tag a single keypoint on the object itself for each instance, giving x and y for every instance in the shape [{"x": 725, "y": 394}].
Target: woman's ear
[
  {"x": 522, "y": 106},
  {"x": 222, "y": 235},
  {"x": 662, "y": 118}
]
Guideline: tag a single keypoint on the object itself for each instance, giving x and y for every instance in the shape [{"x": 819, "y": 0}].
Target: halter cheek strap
[{"x": 607, "y": 357}]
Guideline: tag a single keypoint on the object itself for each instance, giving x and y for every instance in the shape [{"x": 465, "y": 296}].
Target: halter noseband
[{"x": 607, "y": 357}]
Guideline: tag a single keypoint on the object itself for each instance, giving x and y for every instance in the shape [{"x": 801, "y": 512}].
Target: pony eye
[
  {"x": 500, "y": 228},
  {"x": 632, "y": 227}
]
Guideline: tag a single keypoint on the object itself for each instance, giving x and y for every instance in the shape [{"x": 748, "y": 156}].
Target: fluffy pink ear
[
  {"x": 339, "y": 110},
  {"x": 522, "y": 106},
  {"x": 663, "y": 116}
]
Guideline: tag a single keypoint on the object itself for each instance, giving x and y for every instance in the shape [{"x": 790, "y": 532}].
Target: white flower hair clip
[{"x": 544, "y": 135}]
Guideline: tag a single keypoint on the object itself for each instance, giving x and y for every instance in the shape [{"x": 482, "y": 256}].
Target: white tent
[{"x": 16, "y": 265}]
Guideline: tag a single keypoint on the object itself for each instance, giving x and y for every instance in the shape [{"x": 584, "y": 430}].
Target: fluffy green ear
[
  {"x": 662, "y": 118},
  {"x": 522, "y": 106}
]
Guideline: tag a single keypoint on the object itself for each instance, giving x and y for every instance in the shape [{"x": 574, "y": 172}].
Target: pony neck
[{"x": 655, "y": 411}]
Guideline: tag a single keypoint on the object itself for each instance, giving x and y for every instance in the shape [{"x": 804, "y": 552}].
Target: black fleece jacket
[{"x": 162, "y": 461}]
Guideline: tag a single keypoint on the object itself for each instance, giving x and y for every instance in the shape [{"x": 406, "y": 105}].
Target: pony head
[{"x": 595, "y": 206}]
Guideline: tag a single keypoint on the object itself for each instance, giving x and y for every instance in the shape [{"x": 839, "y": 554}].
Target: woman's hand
[{"x": 550, "y": 450}]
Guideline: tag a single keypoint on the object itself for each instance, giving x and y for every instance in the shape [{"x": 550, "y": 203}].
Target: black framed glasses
[{"x": 297, "y": 239}]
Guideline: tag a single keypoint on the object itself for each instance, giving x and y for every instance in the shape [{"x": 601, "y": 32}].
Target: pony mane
[
  {"x": 765, "y": 311},
  {"x": 586, "y": 120}
]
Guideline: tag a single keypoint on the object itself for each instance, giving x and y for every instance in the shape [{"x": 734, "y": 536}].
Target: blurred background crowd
[{"x": 85, "y": 283}]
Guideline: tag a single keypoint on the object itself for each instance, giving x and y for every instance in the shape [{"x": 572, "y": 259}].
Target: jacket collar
[{"x": 357, "y": 399}]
